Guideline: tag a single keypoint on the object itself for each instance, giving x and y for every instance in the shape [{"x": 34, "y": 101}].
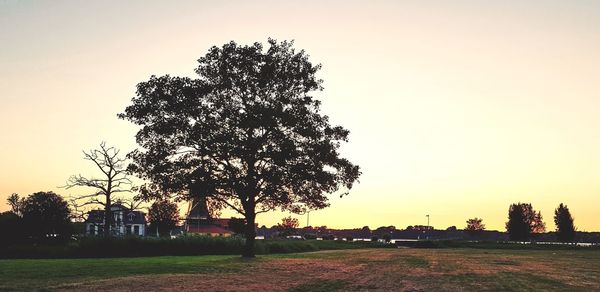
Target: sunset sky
[{"x": 456, "y": 108}]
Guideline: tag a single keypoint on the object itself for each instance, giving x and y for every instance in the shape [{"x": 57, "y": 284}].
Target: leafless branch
[
  {"x": 113, "y": 181},
  {"x": 226, "y": 202}
]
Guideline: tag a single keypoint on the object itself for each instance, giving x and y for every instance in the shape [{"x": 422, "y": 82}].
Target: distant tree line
[
  {"x": 524, "y": 223},
  {"x": 39, "y": 217}
]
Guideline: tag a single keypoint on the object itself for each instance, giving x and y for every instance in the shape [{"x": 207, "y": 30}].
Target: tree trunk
[
  {"x": 250, "y": 233},
  {"x": 107, "y": 218}
]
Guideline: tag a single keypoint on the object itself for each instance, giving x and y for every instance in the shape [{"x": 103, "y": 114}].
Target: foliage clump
[{"x": 565, "y": 229}]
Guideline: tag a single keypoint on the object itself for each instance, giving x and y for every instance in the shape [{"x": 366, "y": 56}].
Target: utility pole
[
  {"x": 307, "y": 218},
  {"x": 427, "y": 220}
]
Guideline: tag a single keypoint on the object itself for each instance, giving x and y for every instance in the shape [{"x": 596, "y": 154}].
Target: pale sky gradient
[{"x": 456, "y": 108}]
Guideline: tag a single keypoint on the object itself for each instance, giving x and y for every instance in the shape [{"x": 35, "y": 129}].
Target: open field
[{"x": 363, "y": 269}]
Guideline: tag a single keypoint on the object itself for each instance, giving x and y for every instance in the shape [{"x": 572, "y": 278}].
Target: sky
[{"x": 456, "y": 108}]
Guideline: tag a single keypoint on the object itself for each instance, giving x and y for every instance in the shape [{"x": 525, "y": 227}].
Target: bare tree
[
  {"x": 77, "y": 209},
  {"x": 16, "y": 203},
  {"x": 114, "y": 180}
]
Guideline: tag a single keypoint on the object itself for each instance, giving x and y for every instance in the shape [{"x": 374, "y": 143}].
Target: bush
[
  {"x": 349, "y": 238},
  {"x": 186, "y": 245},
  {"x": 12, "y": 231},
  {"x": 284, "y": 246},
  {"x": 310, "y": 236},
  {"x": 129, "y": 247},
  {"x": 487, "y": 245},
  {"x": 387, "y": 237},
  {"x": 328, "y": 237},
  {"x": 374, "y": 238}
]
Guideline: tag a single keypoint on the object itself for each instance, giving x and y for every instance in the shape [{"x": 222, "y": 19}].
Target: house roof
[
  {"x": 129, "y": 217},
  {"x": 134, "y": 217}
]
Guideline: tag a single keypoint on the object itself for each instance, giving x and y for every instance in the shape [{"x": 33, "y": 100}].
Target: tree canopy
[
  {"x": 16, "y": 203},
  {"x": 46, "y": 215},
  {"x": 246, "y": 134},
  {"x": 565, "y": 229},
  {"x": 523, "y": 222},
  {"x": 163, "y": 216},
  {"x": 12, "y": 229},
  {"x": 475, "y": 226},
  {"x": 287, "y": 226}
]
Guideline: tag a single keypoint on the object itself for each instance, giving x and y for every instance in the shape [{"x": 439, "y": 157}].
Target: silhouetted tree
[
  {"x": 114, "y": 181},
  {"x": 387, "y": 237},
  {"x": 386, "y": 228},
  {"x": 78, "y": 227},
  {"x": 422, "y": 228},
  {"x": 16, "y": 203},
  {"x": 475, "y": 226},
  {"x": 246, "y": 134},
  {"x": 310, "y": 236},
  {"x": 46, "y": 215},
  {"x": 518, "y": 224},
  {"x": 287, "y": 226},
  {"x": 11, "y": 229},
  {"x": 451, "y": 228},
  {"x": 237, "y": 225},
  {"x": 538, "y": 225},
  {"x": 328, "y": 237},
  {"x": 163, "y": 216},
  {"x": 523, "y": 221},
  {"x": 565, "y": 229}
]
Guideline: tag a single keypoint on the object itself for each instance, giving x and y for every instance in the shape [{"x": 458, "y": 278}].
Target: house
[
  {"x": 198, "y": 221},
  {"x": 125, "y": 222}
]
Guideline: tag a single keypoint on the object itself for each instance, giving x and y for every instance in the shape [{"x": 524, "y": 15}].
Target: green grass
[
  {"x": 354, "y": 269},
  {"x": 416, "y": 262},
  {"x": 502, "y": 281},
  {"x": 320, "y": 285},
  {"x": 37, "y": 273}
]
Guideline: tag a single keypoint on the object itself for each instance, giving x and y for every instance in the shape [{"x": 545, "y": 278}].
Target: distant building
[
  {"x": 198, "y": 221},
  {"x": 125, "y": 222}
]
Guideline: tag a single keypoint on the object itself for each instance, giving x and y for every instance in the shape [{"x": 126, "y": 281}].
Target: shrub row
[
  {"x": 187, "y": 245},
  {"x": 487, "y": 245}
]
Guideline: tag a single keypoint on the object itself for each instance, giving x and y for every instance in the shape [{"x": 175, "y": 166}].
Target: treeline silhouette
[
  {"x": 45, "y": 217},
  {"x": 524, "y": 223},
  {"x": 38, "y": 218}
]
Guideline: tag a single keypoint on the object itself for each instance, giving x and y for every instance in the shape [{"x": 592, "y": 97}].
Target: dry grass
[{"x": 382, "y": 269}]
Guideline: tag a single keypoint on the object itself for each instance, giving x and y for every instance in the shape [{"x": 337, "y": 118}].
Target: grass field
[{"x": 362, "y": 269}]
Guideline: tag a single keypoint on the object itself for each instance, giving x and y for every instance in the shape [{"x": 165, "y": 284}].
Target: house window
[
  {"x": 136, "y": 230},
  {"x": 128, "y": 228}
]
